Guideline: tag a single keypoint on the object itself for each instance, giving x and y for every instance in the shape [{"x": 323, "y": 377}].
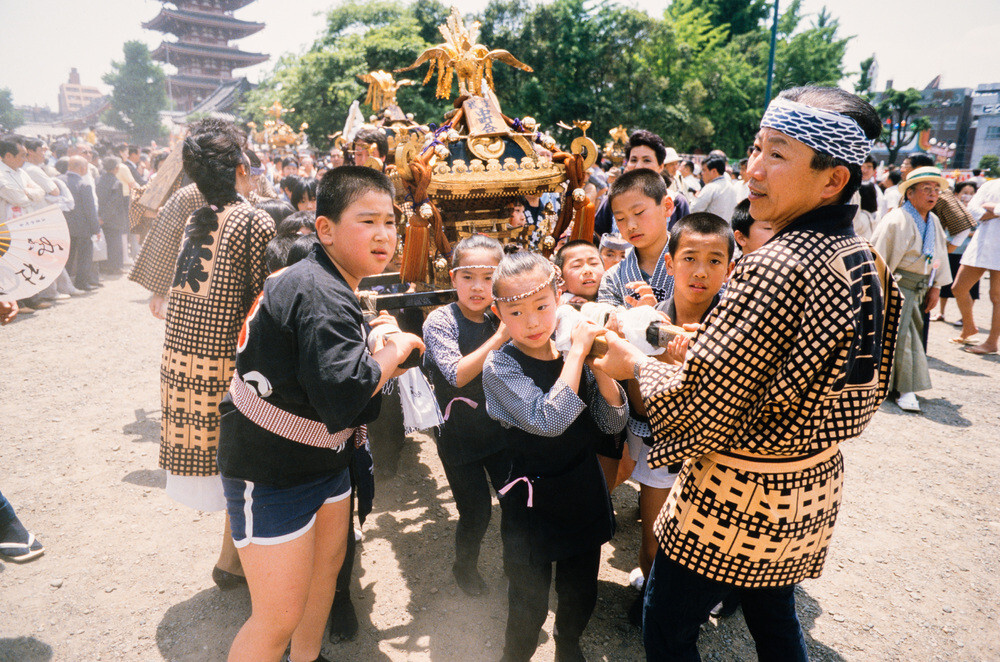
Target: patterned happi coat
[
  {"x": 795, "y": 359},
  {"x": 154, "y": 267},
  {"x": 212, "y": 287}
]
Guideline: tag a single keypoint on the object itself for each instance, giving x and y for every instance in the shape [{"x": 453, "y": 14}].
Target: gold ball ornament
[
  {"x": 549, "y": 243},
  {"x": 426, "y": 212},
  {"x": 442, "y": 151},
  {"x": 440, "y": 265},
  {"x": 579, "y": 195},
  {"x": 529, "y": 123},
  {"x": 452, "y": 136},
  {"x": 548, "y": 142},
  {"x": 409, "y": 116}
]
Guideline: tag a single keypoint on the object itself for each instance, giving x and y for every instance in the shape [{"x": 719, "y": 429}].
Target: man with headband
[{"x": 794, "y": 359}]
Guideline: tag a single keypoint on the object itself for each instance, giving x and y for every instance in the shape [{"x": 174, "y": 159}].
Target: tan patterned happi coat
[
  {"x": 154, "y": 268},
  {"x": 212, "y": 288},
  {"x": 794, "y": 359}
]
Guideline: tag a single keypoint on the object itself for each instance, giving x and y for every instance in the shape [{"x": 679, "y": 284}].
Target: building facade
[
  {"x": 73, "y": 96},
  {"x": 202, "y": 53},
  {"x": 985, "y": 131}
]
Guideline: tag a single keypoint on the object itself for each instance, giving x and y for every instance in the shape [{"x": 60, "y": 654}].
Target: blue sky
[{"x": 41, "y": 39}]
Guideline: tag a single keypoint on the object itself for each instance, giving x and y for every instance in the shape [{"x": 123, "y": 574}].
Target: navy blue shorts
[{"x": 266, "y": 515}]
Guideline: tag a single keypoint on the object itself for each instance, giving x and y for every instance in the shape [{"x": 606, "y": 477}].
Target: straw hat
[{"x": 920, "y": 175}]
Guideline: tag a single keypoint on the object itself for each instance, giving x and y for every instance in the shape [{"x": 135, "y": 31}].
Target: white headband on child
[
  {"x": 554, "y": 277},
  {"x": 825, "y": 131},
  {"x": 491, "y": 267},
  {"x": 614, "y": 241}
]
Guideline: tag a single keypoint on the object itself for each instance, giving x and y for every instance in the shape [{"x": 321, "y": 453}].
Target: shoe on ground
[
  {"x": 19, "y": 545},
  {"x": 726, "y": 608},
  {"x": 60, "y": 297},
  {"x": 25, "y": 310},
  {"x": 343, "y": 619},
  {"x": 469, "y": 580},
  {"x": 87, "y": 288},
  {"x": 76, "y": 293},
  {"x": 636, "y": 579},
  {"x": 908, "y": 402},
  {"x": 227, "y": 580}
]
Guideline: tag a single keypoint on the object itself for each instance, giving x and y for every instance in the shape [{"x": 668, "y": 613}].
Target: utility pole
[{"x": 770, "y": 59}]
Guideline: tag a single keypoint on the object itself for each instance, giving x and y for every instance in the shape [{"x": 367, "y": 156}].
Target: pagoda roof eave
[
  {"x": 196, "y": 82},
  {"x": 186, "y": 50},
  {"x": 168, "y": 19}
]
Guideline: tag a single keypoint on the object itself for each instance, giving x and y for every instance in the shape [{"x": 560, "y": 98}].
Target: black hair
[
  {"x": 870, "y": 160},
  {"x": 159, "y": 159},
  {"x": 288, "y": 161},
  {"x": 642, "y": 179},
  {"x": 276, "y": 252},
  {"x": 689, "y": 163},
  {"x": 9, "y": 145},
  {"x": 521, "y": 262},
  {"x": 301, "y": 247},
  {"x": 288, "y": 182},
  {"x": 110, "y": 163},
  {"x": 571, "y": 244},
  {"x": 869, "y": 199},
  {"x": 121, "y": 147},
  {"x": 742, "y": 163},
  {"x": 842, "y": 102},
  {"x": 976, "y": 172},
  {"x": 62, "y": 165},
  {"x": 215, "y": 125},
  {"x": 742, "y": 220},
  {"x": 701, "y": 223},
  {"x": 291, "y": 224},
  {"x": 341, "y": 186},
  {"x": 473, "y": 243},
  {"x": 211, "y": 160},
  {"x": 374, "y": 137},
  {"x": 716, "y": 163},
  {"x": 961, "y": 185},
  {"x": 895, "y": 177},
  {"x": 920, "y": 160},
  {"x": 276, "y": 209},
  {"x": 302, "y": 188},
  {"x": 650, "y": 140},
  {"x": 32, "y": 144},
  {"x": 254, "y": 159},
  {"x": 133, "y": 149}
]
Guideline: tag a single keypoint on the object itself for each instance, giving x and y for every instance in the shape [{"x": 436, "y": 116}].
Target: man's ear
[{"x": 837, "y": 179}]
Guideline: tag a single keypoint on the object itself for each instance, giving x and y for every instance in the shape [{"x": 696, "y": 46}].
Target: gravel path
[{"x": 912, "y": 573}]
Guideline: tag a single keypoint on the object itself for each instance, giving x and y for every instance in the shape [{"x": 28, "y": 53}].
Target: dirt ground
[{"x": 912, "y": 573}]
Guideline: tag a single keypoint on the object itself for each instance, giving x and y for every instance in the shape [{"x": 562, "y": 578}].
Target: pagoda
[{"x": 202, "y": 52}]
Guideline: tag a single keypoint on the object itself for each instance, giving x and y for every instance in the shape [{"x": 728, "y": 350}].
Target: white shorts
[{"x": 642, "y": 474}]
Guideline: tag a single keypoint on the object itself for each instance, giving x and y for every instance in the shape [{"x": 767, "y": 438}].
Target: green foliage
[
  {"x": 138, "y": 94},
  {"x": 990, "y": 165},
  {"x": 900, "y": 123},
  {"x": 695, "y": 75},
  {"x": 863, "y": 86},
  {"x": 10, "y": 118}
]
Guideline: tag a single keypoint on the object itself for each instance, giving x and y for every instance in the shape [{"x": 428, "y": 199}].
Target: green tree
[
  {"x": 360, "y": 37},
  {"x": 863, "y": 86},
  {"x": 740, "y": 16},
  {"x": 138, "y": 94},
  {"x": 901, "y": 120},
  {"x": 810, "y": 56},
  {"x": 10, "y": 117},
  {"x": 990, "y": 165}
]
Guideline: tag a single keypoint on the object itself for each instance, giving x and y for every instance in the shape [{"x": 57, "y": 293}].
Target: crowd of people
[{"x": 274, "y": 381}]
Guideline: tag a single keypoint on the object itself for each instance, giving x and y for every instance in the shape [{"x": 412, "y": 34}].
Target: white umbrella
[{"x": 33, "y": 251}]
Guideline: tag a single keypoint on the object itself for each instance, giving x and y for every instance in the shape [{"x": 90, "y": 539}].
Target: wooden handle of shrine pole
[{"x": 658, "y": 334}]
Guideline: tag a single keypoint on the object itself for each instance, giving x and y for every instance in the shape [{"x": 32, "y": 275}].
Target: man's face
[
  {"x": 905, "y": 168},
  {"x": 15, "y": 161},
  {"x": 671, "y": 168},
  {"x": 37, "y": 156},
  {"x": 290, "y": 169},
  {"x": 783, "y": 185},
  {"x": 867, "y": 171},
  {"x": 923, "y": 196},
  {"x": 687, "y": 170},
  {"x": 642, "y": 156},
  {"x": 336, "y": 158},
  {"x": 363, "y": 152}
]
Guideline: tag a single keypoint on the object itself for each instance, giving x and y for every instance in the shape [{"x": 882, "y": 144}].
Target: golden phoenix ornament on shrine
[{"x": 460, "y": 55}]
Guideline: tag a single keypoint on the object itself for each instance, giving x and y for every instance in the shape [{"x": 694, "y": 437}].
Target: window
[
  {"x": 993, "y": 133},
  {"x": 950, "y": 123}
]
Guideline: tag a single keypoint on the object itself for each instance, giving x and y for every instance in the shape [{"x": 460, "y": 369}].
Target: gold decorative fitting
[
  {"x": 549, "y": 242},
  {"x": 426, "y": 212},
  {"x": 579, "y": 194},
  {"x": 441, "y": 151},
  {"x": 452, "y": 136},
  {"x": 461, "y": 56},
  {"x": 529, "y": 124},
  {"x": 486, "y": 147},
  {"x": 441, "y": 265}
]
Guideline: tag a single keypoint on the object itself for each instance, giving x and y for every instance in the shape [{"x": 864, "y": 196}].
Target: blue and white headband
[{"x": 825, "y": 131}]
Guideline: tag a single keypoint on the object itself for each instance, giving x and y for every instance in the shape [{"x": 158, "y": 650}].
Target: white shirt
[
  {"x": 891, "y": 198},
  {"x": 19, "y": 194},
  {"x": 716, "y": 197}
]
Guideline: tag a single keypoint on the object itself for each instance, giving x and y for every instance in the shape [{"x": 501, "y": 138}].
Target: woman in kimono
[{"x": 219, "y": 272}]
